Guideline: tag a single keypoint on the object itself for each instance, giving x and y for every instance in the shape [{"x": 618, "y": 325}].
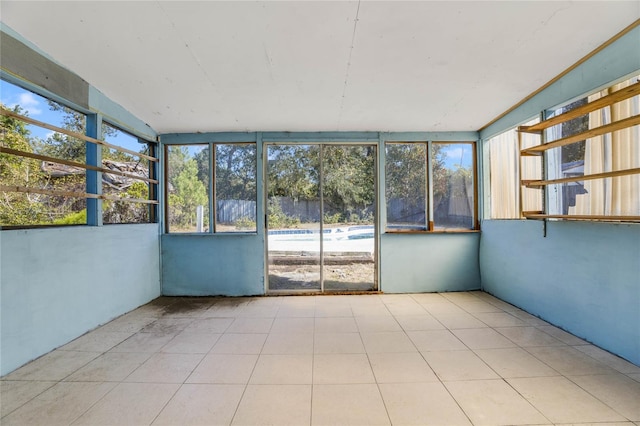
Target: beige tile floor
[{"x": 421, "y": 359}]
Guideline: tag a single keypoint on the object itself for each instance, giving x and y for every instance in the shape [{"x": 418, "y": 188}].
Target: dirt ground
[{"x": 340, "y": 277}]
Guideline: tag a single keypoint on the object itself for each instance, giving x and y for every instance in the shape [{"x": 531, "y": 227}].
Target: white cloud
[
  {"x": 454, "y": 155},
  {"x": 30, "y": 103}
]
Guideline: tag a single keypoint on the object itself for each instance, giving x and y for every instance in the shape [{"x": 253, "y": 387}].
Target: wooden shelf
[
  {"x": 73, "y": 164},
  {"x": 584, "y": 217},
  {"x": 28, "y": 190},
  {"x": 620, "y": 95},
  {"x": 598, "y": 131},
  {"x": 74, "y": 134},
  {"x": 538, "y": 183}
]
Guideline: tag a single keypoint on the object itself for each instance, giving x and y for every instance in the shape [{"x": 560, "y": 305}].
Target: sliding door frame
[{"x": 376, "y": 223}]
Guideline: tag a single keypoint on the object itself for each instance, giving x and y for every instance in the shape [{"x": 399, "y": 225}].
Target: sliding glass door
[{"x": 321, "y": 212}]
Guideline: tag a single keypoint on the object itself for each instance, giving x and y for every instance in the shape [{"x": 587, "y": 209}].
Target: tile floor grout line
[
  {"x": 96, "y": 402},
  {"x": 26, "y": 402},
  {"x": 313, "y": 363},
  {"x": 454, "y": 400},
  {"x": 568, "y": 377},
  {"x": 527, "y": 400},
  {"x": 167, "y": 403},
  {"x": 246, "y": 386}
]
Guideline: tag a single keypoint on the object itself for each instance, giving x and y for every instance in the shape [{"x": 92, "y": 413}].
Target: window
[
  {"x": 42, "y": 174},
  {"x": 191, "y": 183},
  {"x": 131, "y": 181},
  {"x": 406, "y": 186},
  {"x": 592, "y": 156},
  {"x": 453, "y": 172},
  {"x": 46, "y": 164},
  {"x": 446, "y": 202},
  {"x": 235, "y": 188},
  {"x": 187, "y": 189}
]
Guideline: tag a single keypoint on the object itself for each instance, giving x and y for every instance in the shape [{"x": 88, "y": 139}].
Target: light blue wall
[
  {"x": 415, "y": 263},
  {"x": 233, "y": 265},
  {"x": 583, "y": 277},
  {"x": 203, "y": 265},
  {"x": 58, "y": 283}
]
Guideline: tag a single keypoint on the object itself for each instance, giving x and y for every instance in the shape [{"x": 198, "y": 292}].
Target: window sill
[{"x": 437, "y": 231}]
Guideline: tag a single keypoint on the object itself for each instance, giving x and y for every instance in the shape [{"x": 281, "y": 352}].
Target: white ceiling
[{"x": 317, "y": 66}]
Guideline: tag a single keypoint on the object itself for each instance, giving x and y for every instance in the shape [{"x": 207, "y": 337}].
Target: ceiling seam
[
  {"x": 192, "y": 53},
  {"x": 346, "y": 76}
]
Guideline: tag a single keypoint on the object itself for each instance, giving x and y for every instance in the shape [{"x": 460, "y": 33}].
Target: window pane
[
  {"x": 406, "y": 180},
  {"x": 566, "y": 161},
  {"x": 453, "y": 185},
  {"x": 619, "y": 150},
  {"x": 40, "y": 208},
  {"x": 122, "y": 186},
  {"x": 235, "y": 187},
  {"x": 617, "y": 196},
  {"x": 188, "y": 188}
]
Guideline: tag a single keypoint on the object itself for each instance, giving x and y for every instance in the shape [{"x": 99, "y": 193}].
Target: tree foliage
[
  {"x": 575, "y": 151},
  {"x": 293, "y": 171},
  {"x": 406, "y": 176},
  {"x": 186, "y": 190},
  {"x": 236, "y": 172},
  {"x": 348, "y": 173},
  {"x": 19, "y": 208}
]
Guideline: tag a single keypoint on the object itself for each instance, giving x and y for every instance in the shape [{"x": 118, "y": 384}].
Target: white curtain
[
  {"x": 505, "y": 174},
  {"x": 620, "y": 150},
  {"x": 503, "y": 170}
]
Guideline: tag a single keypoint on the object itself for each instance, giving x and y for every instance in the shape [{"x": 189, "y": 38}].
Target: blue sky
[
  {"x": 457, "y": 154},
  {"x": 37, "y": 107}
]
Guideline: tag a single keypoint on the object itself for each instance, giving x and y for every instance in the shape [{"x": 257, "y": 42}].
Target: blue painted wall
[
  {"x": 415, "y": 263},
  {"x": 233, "y": 265},
  {"x": 202, "y": 265},
  {"x": 59, "y": 283},
  {"x": 583, "y": 277}
]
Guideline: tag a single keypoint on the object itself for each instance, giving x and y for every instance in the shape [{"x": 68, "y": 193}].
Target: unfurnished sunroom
[{"x": 309, "y": 148}]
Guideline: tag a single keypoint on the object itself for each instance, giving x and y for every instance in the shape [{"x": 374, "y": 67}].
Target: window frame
[
  {"x": 550, "y": 166},
  {"x": 211, "y": 190},
  {"x": 429, "y": 202},
  {"x": 90, "y": 164},
  {"x": 152, "y": 150}
]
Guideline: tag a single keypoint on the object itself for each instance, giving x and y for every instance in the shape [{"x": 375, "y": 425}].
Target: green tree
[
  {"x": 18, "y": 208},
  {"x": 66, "y": 147},
  {"x": 235, "y": 172},
  {"x": 406, "y": 178},
  {"x": 202, "y": 161},
  {"x": 574, "y": 151},
  {"x": 349, "y": 181},
  {"x": 294, "y": 171},
  {"x": 188, "y": 193}
]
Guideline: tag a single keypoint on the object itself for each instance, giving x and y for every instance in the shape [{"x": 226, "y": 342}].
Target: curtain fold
[
  {"x": 620, "y": 150},
  {"x": 506, "y": 172}
]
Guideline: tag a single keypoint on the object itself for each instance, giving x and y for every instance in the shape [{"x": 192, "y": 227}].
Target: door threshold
[{"x": 319, "y": 293}]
